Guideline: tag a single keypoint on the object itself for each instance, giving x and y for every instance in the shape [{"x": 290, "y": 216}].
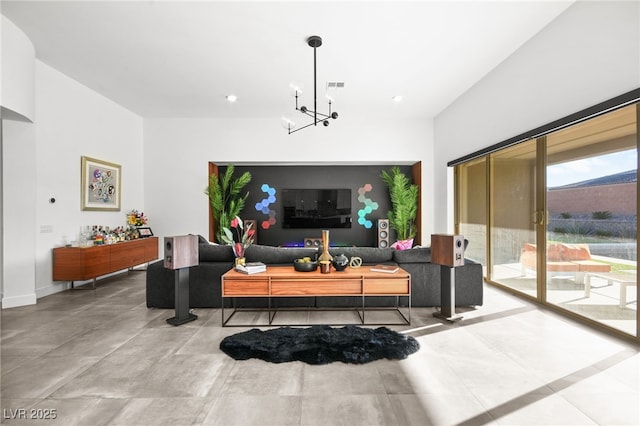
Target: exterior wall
[{"x": 619, "y": 199}]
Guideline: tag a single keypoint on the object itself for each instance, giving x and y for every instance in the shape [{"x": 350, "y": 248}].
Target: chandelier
[{"x": 318, "y": 117}]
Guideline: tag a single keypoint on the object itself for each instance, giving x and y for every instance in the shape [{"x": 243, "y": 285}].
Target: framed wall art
[{"x": 100, "y": 185}]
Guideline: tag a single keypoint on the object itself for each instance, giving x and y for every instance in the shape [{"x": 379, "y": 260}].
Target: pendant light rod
[
  {"x": 315, "y": 82},
  {"x": 314, "y": 42}
]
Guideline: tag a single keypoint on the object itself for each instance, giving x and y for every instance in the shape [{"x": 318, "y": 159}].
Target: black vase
[{"x": 340, "y": 262}]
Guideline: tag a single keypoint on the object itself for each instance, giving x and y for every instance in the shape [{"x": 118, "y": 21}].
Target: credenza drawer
[
  {"x": 231, "y": 287},
  {"x": 320, "y": 287},
  {"x": 386, "y": 286}
]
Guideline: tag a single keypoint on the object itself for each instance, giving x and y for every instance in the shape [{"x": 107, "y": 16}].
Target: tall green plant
[
  {"x": 404, "y": 202},
  {"x": 225, "y": 199}
]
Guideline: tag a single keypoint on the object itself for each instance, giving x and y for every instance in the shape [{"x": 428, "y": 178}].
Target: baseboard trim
[
  {"x": 16, "y": 301},
  {"x": 52, "y": 288}
]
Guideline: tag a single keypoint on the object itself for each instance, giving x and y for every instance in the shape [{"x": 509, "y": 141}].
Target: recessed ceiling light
[
  {"x": 232, "y": 98},
  {"x": 397, "y": 98}
]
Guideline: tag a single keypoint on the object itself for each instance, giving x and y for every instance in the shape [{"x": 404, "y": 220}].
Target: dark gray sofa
[{"x": 215, "y": 260}]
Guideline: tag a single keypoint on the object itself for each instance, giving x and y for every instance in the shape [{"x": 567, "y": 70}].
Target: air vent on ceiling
[{"x": 335, "y": 84}]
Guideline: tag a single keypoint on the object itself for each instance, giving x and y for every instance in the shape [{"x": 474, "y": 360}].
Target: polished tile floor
[{"x": 103, "y": 358}]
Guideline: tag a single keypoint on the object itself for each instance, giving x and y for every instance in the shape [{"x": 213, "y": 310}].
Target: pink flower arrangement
[
  {"x": 403, "y": 244},
  {"x": 244, "y": 236}
]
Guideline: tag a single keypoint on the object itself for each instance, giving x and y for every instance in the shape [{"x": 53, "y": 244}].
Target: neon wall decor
[
  {"x": 369, "y": 206},
  {"x": 264, "y": 206}
]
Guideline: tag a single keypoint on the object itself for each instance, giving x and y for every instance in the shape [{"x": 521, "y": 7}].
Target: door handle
[{"x": 539, "y": 217}]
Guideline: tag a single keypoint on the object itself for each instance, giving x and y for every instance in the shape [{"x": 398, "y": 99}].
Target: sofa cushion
[
  {"x": 414, "y": 255},
  {"x": 572, "y": 252},
  {"x": 277, "y": 255},
  {"x": 215, "y": 253},
  {"x": 369, "y": 255}
]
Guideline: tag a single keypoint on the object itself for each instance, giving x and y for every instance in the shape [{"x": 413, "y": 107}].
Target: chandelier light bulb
[
  {"x": 232, "y": 98},
  {"x": 287, "y": 123},
  {"x": 296, "y": 89}
]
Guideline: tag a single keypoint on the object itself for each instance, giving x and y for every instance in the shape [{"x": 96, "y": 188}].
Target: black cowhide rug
[{"x": 320, "y": 344}]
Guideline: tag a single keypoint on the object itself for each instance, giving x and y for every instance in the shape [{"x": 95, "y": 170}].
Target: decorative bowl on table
[
  {"x": 305, "y": 264},
  {"x": 340, "y": 262}
]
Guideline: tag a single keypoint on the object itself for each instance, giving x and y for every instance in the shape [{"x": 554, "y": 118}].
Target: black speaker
[
  {"x": 181, "y": 251},
  {"x": 313, "y": 242},
  {"x": 383, "y": 233}
]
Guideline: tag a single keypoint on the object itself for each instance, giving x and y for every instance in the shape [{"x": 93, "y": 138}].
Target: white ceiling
[{"x": 181, "y": 58}]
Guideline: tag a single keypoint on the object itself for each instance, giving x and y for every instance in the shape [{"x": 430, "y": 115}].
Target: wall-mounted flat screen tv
[{"x": 316, "y": 208}]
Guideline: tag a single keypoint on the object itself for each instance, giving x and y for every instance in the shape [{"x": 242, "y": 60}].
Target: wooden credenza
[{"x": 86, "y": 263}]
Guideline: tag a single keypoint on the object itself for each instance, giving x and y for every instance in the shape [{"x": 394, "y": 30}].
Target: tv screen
[{"x": 316, "y": 208}]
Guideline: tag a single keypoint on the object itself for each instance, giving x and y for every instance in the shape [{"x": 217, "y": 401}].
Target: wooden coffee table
[{"x": 284, "y": 281}]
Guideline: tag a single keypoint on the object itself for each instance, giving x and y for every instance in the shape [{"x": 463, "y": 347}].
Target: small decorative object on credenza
[
  {"x": 144, "y": 232},
  {"x": 136, "y": 218},
  {"x": 98, "y": 235}
]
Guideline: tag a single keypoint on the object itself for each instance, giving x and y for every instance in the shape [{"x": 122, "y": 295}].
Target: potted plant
[
  {"x": 245, "y": 236},
  {"x": 404, "y": 204},
  {"x": 225, "y": 198}
]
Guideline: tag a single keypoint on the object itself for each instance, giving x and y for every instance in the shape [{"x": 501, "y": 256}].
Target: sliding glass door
[
  {"x": 512, "y": 184},
  {"x": 472, "y": 210},
  {"x": 558, "y": 215},
  {"x": 592, "y": 207}
]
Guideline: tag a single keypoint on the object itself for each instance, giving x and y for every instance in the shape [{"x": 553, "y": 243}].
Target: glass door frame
[{"x": 540, "y": 219}]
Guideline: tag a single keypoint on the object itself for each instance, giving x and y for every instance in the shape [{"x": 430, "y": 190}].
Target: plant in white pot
[{"x": 404, "y": 206}]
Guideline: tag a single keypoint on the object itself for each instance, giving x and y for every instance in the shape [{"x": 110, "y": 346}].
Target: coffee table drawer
[
  {"x": 245, "y": 288},
  {"x": 386, "y": 286},
  {"x": 320, "y": 287}
]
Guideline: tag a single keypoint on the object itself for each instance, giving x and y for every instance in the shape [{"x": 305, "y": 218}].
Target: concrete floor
[{"x": 103, "y": 358}]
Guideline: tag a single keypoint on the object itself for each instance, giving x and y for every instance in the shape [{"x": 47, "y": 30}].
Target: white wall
[
  {"x": 17, "y": 76},
  {"x": 177, "y": 152},
  {"x": 17, "y": 101},
  {"x": 42, "y": 160},
  {"x": 18, "y": 227},
  {"x": 589, "y": 54}
]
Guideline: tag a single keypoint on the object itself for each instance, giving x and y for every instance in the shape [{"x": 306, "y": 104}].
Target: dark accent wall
[{"x": 317, "y": 177}]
